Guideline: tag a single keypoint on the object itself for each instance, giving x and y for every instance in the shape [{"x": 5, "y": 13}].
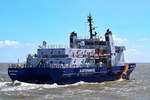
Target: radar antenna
[{"x": 91, "y": 28}]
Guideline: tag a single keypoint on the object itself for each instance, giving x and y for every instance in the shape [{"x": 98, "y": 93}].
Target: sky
[{"x": 24, "y": 24}]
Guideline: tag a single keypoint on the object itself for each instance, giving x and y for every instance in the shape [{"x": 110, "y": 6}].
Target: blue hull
[{"x": 68, "y": 75}]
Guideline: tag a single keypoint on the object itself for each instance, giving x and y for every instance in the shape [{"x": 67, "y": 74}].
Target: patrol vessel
[{"x": 92, "y": 59}]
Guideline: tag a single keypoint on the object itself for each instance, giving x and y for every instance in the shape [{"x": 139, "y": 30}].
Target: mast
[{"x": 90, "y": 26}]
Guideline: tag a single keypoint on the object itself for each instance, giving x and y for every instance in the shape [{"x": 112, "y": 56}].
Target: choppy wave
[
  {"x": 107, "y": 86},
  {"x": 21, "y": 86}
]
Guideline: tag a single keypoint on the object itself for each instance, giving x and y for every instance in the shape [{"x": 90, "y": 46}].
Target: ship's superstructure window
[
  {"x": 95, "y": 43},
  {"x": 74, "y": 61},
  {"x": 59, "y": 52}
]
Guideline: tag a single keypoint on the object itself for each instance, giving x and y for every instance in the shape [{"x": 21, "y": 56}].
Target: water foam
[
  {"x": 21, "y": 86},
  {"x": 120, "y": 80}
]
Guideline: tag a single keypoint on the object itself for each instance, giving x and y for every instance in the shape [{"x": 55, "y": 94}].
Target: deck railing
[
  {"x": 49, "y": 66},
  {"x": 53, "y": 46}
]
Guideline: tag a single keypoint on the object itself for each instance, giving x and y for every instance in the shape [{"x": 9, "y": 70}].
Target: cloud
[
  {"x": 15, "y": 44},
  {"x": 118, "y": 39},
  {"x": 133, "y": 51},
  {"x": 9, "y": 43},
  {"x": 144, "y": 39}
]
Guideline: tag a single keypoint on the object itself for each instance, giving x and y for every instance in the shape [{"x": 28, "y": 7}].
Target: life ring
[{"x": 124, "y": 73}]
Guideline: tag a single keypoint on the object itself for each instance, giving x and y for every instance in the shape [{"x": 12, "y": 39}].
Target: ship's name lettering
[
  {"x": 13, "y": 71},
  {"x": 87, "y": 70}
]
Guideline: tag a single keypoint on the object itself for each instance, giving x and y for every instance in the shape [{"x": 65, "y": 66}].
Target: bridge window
[{"x": 59, "y": 52}]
